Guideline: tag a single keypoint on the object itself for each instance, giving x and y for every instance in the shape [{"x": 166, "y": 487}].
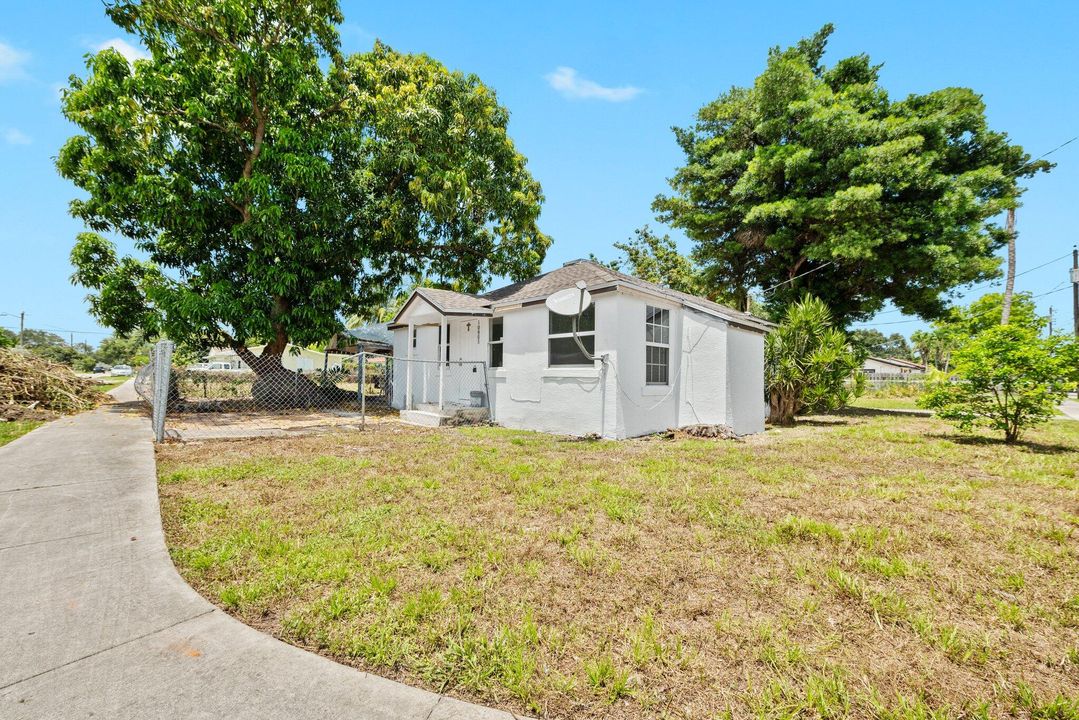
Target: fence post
[
  {"x": 363, "y": 392},
  {"x": 162, "y": 374}
]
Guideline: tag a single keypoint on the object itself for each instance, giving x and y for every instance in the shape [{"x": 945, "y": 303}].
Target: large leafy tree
[
  {"x": 815, "y": 178},
  {"x": 273, "y": 185}
]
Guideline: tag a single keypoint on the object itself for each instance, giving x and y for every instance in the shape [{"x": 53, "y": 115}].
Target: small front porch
[{"x": 441, "y": 377}]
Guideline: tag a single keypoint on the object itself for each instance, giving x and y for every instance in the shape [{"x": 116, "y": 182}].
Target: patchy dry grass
[{"x": 856, "y": 566}]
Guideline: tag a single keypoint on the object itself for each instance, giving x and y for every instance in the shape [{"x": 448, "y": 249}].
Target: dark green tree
[
  {"x": 877, "y": 344},
  {"x": 275, "y": 186},
  {"x": 8, "y": 338},
  {"x": 39, "y": 339},
  {"x": 815, "y": 178},
  {"x": 655, "y": 258},
  {"x": 118, "y": 350}
]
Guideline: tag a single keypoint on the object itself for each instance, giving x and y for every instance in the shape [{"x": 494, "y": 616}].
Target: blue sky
[{"x": 593, "y": 89}]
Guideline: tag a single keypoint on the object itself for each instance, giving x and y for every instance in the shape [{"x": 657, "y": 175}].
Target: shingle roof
[
  {"x": 372, "y": 332},
  {"x": 549, "y": 282},
  {"x": 595, "y": 276},
  {"x": 450, "y": 301}
]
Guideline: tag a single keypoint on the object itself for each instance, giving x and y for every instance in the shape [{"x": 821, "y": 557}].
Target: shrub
[
  {"x": 808, "y": 364},
  {"x": 1007, "y": 379}
]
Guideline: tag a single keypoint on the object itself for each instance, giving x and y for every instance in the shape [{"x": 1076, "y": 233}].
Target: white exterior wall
[
  {"x": 704, "y": 389},
  {"x": 716, "y": 374},
  {"x": 644, "y": 408},
  {"x": 531, "y": 396},
  {"x": 875, "y": 366},
  {"x": 746, "y": 407}
]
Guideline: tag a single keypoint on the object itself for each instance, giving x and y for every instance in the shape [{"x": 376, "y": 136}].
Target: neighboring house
[
  {"x": 369, "y": 338},
  {"x": 671, "y": 359},
  {"x": 294, "y": 358},
  {"x": 891, "y": 366}
]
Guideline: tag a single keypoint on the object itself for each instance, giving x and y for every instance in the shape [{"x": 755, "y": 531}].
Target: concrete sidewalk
[
  {"x": 96, "y": 622},
  {"x": 1070, "y": 408}
]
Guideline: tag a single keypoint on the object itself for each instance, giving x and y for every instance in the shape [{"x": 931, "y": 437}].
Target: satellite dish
[{"x": 570, "y": 301}]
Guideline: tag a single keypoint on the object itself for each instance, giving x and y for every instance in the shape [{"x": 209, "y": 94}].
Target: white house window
[
  {"x": 657, "y": 345},
  {"x": 496, "y": 342},
  {"x": 561, "y": 347}
]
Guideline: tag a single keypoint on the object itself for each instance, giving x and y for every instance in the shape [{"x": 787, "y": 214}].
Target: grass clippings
[{"x": 868, "y": 566}]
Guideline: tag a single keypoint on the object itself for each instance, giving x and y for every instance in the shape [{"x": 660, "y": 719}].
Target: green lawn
[
  {"x": 856, "y": 566},
  {"x": 11, "y": 430},
  {"x": 110, "y": 383}
]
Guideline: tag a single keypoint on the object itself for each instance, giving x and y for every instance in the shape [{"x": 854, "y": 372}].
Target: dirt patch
[{"x": 21, "y": 413}]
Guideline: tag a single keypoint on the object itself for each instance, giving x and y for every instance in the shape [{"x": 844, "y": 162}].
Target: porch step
[
  {"x": 423, "y": 417},
  {"x": 449, "y": 416}
]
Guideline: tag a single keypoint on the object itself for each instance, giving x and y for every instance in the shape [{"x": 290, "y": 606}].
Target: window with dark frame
[
  {"x": 657, "y": 345},
  {"x": 447, "y": 340},
  {"x": 561, "y": 347},
  {"x": 496, "y": 342}
]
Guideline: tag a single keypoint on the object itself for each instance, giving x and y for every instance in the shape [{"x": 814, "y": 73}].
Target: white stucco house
[
  {"x": 891, "y": 366},
  {"x": 669, "y": 359}
]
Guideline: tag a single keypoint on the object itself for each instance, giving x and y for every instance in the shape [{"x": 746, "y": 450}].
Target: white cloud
[
  {"x": 11, "y": 63},
  {"x": 129, "y": 51},
  {"x": 14, "y": 136},
  {"x": 566, "y": 81}
]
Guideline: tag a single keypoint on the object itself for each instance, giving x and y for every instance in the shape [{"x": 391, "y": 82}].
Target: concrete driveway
[{"x": 96, "y": 622}]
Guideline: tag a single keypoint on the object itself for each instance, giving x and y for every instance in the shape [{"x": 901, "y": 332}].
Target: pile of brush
[
  {"x": 31, "y": 383},
  {"x": 722, "y": 432}
]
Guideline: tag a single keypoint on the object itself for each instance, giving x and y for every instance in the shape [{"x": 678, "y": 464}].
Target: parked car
[
  {"x": 101, "y": 368},
  {"x": 121, "y": 370}
]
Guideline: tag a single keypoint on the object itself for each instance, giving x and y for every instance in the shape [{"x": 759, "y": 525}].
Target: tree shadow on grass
[
  {"x": 1028, "y": 445},
  {"x": 882, "y": 412},
  {"x": 811, "y": 421}
]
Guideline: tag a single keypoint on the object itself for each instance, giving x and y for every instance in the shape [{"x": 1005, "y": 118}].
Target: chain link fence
[
  {"x": 879, "y": 381},
  {"x": 199, "y": 403}
]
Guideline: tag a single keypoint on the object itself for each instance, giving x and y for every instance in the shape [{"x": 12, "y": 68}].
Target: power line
[
  {"x": 997, "y": 281},
  {"x": 1057, "y": 289},
  {"x": 1043, "y": 155},
  {"x": 807, "y": 272}
]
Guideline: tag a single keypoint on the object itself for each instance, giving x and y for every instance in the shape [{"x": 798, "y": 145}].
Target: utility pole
[
  {"x": 1075, "y": 289},
  {"x": 1050, "y": 321},
  {"x": 1009, "y": 284},
  {"x": 22, "y": 327}
]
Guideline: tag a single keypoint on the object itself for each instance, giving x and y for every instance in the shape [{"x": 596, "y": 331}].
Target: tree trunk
[
  {"x": 782, "y": 407},
  {"x": 1009, "y": 283},
  {"x": 277, "y": 387}
]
